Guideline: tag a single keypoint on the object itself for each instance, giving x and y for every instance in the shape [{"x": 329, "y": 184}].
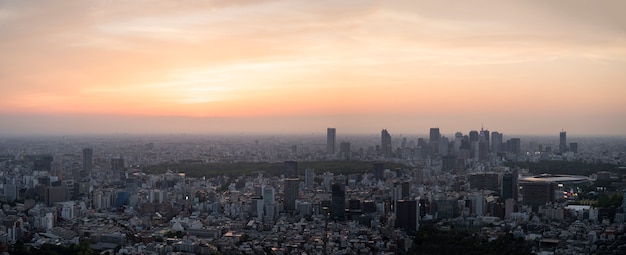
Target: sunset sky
[{"x": 245, "y": 66}]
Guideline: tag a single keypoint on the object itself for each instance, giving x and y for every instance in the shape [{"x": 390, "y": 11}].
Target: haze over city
[{"x": 519, "y": 67}]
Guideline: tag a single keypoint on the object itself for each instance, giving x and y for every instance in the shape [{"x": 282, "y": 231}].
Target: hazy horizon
[
  {"x": 296, "y": 67},
  {"x": 18, "y": 125}
]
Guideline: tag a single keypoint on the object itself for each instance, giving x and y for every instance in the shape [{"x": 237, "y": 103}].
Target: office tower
[
  {"x": 434, "y": 135},
  {"x": 407, "y": 215},
  {"x": 43, "y": 163},
  {"x": 442, "y": 146},
  {"x": 309, "y": 177},
  {"x": 537, "y": 194},
  {"x": 563, "y": 142},
  {"x": 291, "y": 192},
  {"x": 117, "y": 166},
  {"x": 385, "y": 143},
  {"x": 514, "y": 145},
  {"x": 496, "y": 142},
  {"x": 379, "y": 171},
  {"x": 484, "y": 181},
  {"x": 344, "y": 150},
  {"x": 330, "y": 141},
  {"x": 458, "y": 138},
  {"x": 473, "y": 136},
  {"x": 338, "y": 202},
  {"x": 88, "y": 160},
  {"x": 268, "y": 195},
  {"x": 54, "y": 195},
  {"x": 482, "y": 150},
  {"x": 573, "y": 147},
  {"x": 484, "y": 137},
  {"x": 510, "y": 186},
  {"x": 291, "y": 169}
]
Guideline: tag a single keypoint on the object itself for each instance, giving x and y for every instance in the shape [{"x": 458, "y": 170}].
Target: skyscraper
[
  {"x": 291, "y": 192},
  {"x": 434, "y": 135},
  {"x": 573, "y": 147},
  {"x": 117, "y": 165},
  {"x": 385, "y": 143},
  {"x": 344, "y": 150},
  {"x": 516, "y": 146},
  {"x": 88, "y": 160},
  {"x": 407, "y": 215},
  {"x": 510, "y": 186},
  {"x": 291, "y": 169},
  {"x": 330, "y": 141},
  {"x": 563, "y": 142},
  {"x": 496, "y": 142},
  {"x": 338, "y": 202},
  {"x": 473, "y": 136},
  {"x": 309, "y": 177},
  {"x": 379, "y": 171},
  {"x": 484, "y": 137}
]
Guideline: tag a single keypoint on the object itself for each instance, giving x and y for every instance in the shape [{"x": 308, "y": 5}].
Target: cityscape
[
  {"x": 312, "y": 127},
  {"x": 338, "y": 194}
]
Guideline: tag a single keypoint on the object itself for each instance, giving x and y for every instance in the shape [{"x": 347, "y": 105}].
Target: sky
[{"x": 300, "y": 66}]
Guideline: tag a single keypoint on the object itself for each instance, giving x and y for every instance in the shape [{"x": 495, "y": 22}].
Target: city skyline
[{"x": 298, "y": 67}]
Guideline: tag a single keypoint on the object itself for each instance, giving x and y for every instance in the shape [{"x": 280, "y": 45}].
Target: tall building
[
  {"x": 563, "y": 142},
  {"x": 516, "y": 145},
  {"x": 573, "y": 147},
  {"x": 117, "y": 166},
  {"x": 88, "y": 160},
  {"x": 379, "y": 171},
  {"x": 537, "y": 194},
  {"x": 344, "y": 150},
  {"x": 385, "y": 143},
  {"x": 434, "y": 135},
  {"x": 510, "y": 186},
  {"x": 484, "y": 137},
  {"x": 407, "y": 215},
  {"x": 473, "y": 136},
  {"x": 291, "y": 169},
  {"x": 291, "y": 193},
  {"x": 309, "y": 177},
  {"x": 496, "y": 142},
  {"x": 484, "y": 181},
  {"x": 330, "y": 141},
  {"x": 338, "y": 202}
]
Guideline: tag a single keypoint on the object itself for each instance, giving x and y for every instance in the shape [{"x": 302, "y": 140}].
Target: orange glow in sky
[{"x": 356, "y": 65}]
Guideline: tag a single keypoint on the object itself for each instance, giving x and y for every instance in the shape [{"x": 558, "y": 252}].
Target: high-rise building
[
  {"x": 484, "y": 181},
  {"x": 510, "y": 186},
  {"x": 573, "y": 147},
  {"x": 563, "y": 142},
  {"x": 309, "y": 177},
  {"x": 385, "y": 143},
  {"x": 330, "y": 141},
  {"x": 473, "y": 136},
  {"x": 291, "y": 169},
  {"x": 496, "y": 142},
  {"x": 484, "y": 137},
  {"x": 88, "y": 160},
  {"x": 537, "y": 194},
  {"x": 338, "y": 202},
  {"x": 516, "y": 145},
  {"x": 344, "y": 150},
  {"x": 379, "y": 171},
  {"x": 291, "y": 193},
  {"x": 117, "y": 166},
  {"x": 434, "y": 135},
  {"x": 407, "y": 215},
  {"x": 442, "y": 146}
]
